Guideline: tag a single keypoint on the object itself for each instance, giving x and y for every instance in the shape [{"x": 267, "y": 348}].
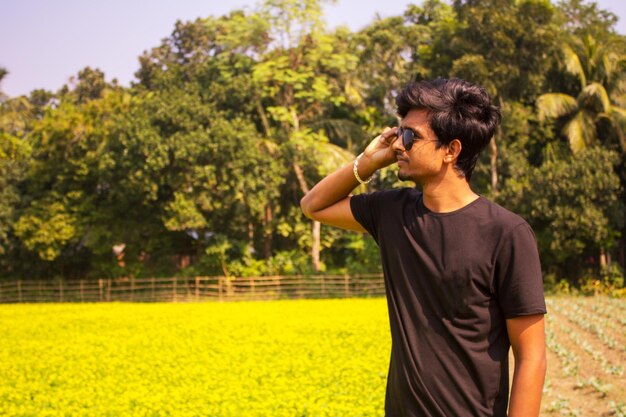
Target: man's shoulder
[
  {"x": 500, "y": 216},
  {"x": 393, "y": 194},
  {"x": 384, "y": 206}
]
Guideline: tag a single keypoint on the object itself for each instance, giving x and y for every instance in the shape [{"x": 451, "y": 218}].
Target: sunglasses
[{"x": 408, "y": 137}]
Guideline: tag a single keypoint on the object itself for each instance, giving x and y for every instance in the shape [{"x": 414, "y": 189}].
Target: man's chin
[{"x": 403, "y": 177}]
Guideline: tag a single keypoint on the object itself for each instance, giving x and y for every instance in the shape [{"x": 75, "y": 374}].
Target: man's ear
[{"x": 453, "y": 151}]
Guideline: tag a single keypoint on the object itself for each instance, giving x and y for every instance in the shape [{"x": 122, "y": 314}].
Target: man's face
[{"x": 423, "y": 161}]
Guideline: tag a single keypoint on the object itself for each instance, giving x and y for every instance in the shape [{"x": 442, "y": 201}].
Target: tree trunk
[
  {"x": 315, "y": 247},
  {"x": 621, "y": 254},
  {"x": 267, "y": 218},
  {"x": 300, "y": 176},
  {"x": 267, "y": 232},
  {"x": 223, "y": 263},
  {"x": 264, "y": 121},
  {"x": 493, "y": 145},
  {"x": 621, "y": 249},
  {"x": 251, "y": 234},
  {"x": 295, "y": 119},
  {"x": 602, "y": 259},
  {"x": 494, "y": 166}
]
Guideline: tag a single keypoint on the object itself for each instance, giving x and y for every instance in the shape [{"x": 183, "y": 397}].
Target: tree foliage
[{"x": 198, "y": 167}]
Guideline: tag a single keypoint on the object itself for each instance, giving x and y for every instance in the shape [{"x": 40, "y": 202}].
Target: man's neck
[{"x": 448, "y": 194}]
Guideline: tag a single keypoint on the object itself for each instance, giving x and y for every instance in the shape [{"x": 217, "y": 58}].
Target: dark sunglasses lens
[{"x": 407, "y": 139}]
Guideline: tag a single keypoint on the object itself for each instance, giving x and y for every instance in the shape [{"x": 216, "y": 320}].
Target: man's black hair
[{"x": 456, "y": 109}]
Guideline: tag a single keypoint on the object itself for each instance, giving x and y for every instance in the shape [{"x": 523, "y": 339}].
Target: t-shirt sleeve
[
  {"x": 518, "y": 278},
  {"x": 366, "y": 210}
]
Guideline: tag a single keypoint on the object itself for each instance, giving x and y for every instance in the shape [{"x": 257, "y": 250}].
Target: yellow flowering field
[
  {"x": 292, "y": 358},
  {"x": 277, "y": 358}
]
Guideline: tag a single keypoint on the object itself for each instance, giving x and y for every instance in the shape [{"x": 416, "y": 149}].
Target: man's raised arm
[{"x": 329, "y": 201}]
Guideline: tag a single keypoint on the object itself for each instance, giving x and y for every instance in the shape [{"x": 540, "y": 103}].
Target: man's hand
[
  {"x": 329, "y": 201},
  {"x": 379, "y": 153}
]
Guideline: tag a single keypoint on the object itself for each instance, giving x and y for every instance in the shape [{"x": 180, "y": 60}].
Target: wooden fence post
[
  {"x": 19, "y": 289},
  {"x": 346, "y": 283},
  {"x": 132, "y": 288},
  {"x": 152, "y": 282},
  {"x": 61, "y": 290},
  {"x": 174, "y": 290},
  {"x": 100, "y": 288},
  {"x": 109, "y": 290},
  {"x": 197, "y": 288}
]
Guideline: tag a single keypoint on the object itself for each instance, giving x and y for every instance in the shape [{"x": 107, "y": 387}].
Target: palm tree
[{"x": 600, "y": 71}]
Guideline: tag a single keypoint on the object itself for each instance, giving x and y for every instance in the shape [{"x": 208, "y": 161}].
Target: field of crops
[{"x": 281, "y": 358}]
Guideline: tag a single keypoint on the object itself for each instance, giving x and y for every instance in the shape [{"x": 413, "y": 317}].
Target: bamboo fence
[{"x": 184, "y": 289}]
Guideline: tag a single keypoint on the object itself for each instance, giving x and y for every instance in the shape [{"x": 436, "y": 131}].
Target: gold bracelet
[{"x": 355, "y": 170}]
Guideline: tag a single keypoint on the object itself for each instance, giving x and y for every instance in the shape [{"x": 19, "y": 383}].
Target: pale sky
[{"x": 44, "y": 42}]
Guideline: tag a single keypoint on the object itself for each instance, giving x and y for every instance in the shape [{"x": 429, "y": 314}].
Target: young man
[{"x": 462, "y": 274}]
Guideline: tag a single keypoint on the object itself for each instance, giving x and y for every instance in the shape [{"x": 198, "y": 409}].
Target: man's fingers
[{"x": 388, "y": 134}]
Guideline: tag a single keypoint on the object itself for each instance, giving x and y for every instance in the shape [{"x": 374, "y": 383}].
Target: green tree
[
  {"x": 387, "y": 49},
  {"x": 301, "y": 78},
  {"x": 215, "y": 58},
  {"x": 599, "y": 68},
  {"x": 16, "y": 118},
  {"x": 504, "y": 45},
  {"x": 57, "y": 191},
  {"x": 14, "y": 155},
  {"x": 189, "y": 175},
  {"x": 438, "y": 40},
  {"x": 234, "y": 117},
  {"x": 590, "y": 113},
  {"x": 574, "y": 208},
  {"x": 579, "y": 18}
]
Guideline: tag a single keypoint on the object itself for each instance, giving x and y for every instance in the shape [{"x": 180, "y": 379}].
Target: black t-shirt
[{"x": 451, "y": 280}]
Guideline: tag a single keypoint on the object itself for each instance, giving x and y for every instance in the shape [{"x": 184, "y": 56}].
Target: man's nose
[{"x": 396, "y": 145}]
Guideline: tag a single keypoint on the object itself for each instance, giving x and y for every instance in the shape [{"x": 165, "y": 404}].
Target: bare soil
[{"x": 575, "y": 395}]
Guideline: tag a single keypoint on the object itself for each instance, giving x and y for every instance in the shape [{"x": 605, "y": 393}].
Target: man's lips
[{"x": 401, "y": 159}]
